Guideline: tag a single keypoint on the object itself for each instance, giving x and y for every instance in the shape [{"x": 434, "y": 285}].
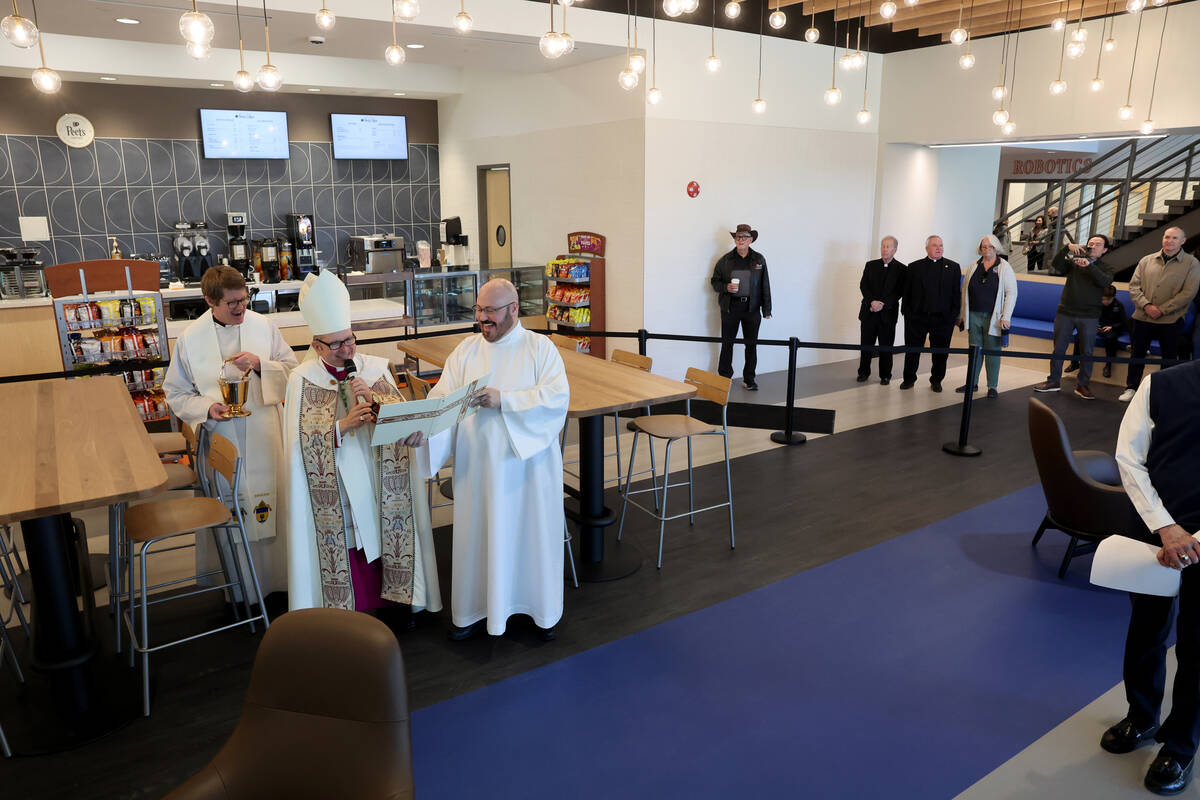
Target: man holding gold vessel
[{"x": 227, "y": 339}]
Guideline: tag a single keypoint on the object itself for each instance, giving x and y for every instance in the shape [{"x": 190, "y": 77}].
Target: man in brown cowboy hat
[{"x": 744, "y": 295}]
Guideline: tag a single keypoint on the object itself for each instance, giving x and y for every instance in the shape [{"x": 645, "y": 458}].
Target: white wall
[{"x": 576, "y": 157}]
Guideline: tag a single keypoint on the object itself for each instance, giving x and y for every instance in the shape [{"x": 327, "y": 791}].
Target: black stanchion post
[
  {"x": 787, "y": 435},
  {"x": 961, "y": 448},
  {"x": 641, "y": 341}
]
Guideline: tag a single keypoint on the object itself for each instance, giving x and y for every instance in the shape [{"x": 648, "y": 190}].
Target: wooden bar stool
[
  {"x": 169, "y": 443},
  {"x": 672, "y": 428},
  {"x": 148, "y": 524},
  {"x": 420, "y": 391}
]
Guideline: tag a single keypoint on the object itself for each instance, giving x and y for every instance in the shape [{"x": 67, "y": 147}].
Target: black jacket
[
  {"x": 760, "y": 282},
  {"x": 1113, "y": 315},
  {"x": 1085, "y": 286},
  {"x": 886, "y": 285},
  {"x": 933, "y": 289}
]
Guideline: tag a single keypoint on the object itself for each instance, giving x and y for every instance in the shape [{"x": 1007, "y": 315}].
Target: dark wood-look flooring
[{"x": 795, "y": 508}]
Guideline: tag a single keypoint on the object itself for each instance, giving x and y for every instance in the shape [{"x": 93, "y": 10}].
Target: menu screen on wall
[
  {"x": 244, "y": 134},
  {"x": 369, "y": 136}
]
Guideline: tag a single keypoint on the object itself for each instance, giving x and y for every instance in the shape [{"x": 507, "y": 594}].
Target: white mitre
[{"x": 325, "y": 303}]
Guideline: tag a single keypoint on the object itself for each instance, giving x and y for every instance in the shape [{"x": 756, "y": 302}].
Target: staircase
[{"x": 1131, "y": 194}]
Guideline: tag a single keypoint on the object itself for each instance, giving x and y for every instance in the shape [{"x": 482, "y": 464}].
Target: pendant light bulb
[
  {"x": 812, "y": 35},
  {"x": 966, "y": 60},
  {"x": 1075, "y": 49},
  {"x": 463, "y": 22},
  {"x": 1134, "y": 6},
  {"x": 1008, "y": 128},
  {"x": 20, "y": 31},
  {"x": 672, "y": 8},
  {"x": 243, "y": 81},
  {"x": 325, "y": 19},
  {"x": 958, "y": 36},
  {"x": 269, "y": 78},
  {"x": 833, "y": 96},
  {"x": 394, "y": 55},
  {"x": 911, "y": 3},
  {"x": 1058, "y": 24},
  {"x": 712, "y": 63},
  {"x": 863, "y": 116},
  {"x": 777, "y": 19},
  {"x": 550, "y": 45},
  {"x": 406, "y": 10},
  {"x": 733, "y": 9},
  {"x": 689, "y": 6},
  {"x": 654, "y": 95},
  {"x": 1097, "y": 84},
  {"x": 759, "y": 105},
  {"x": 567, "y": 42},
  {"x": 887, "y": 10},
  {"x": 46, "y": 80},
  {"x": 1147, "y": 127},
  {"x": 1079, "y": 35},
  {"x": 201, "y": 51},
  {"x": 195, "y": 26},
  {"x": 998, "y": 92},
  {"x": 999, "y": 116},
  {"x": 1058, "y": 87},
  {"x": 627, "y": 79},
  {"x": 637, "y": 63},
  {"x": 1110, "y": 44}
]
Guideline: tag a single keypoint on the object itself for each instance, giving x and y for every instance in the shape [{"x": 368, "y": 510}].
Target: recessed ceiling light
[
  {"x": 129, "y": 21},
  {"x": 218, "y": 85},
  {"x": 415, "y": 46},
  {"x": 314, "y": 90},
  {"x": 398, "y": 94},
  {"x": 107, "y": 78}
]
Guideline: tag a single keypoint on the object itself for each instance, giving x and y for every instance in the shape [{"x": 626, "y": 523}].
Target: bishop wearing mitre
[
  {"x": 229, "y": 331},
  {"x": 360, "y": 533}
]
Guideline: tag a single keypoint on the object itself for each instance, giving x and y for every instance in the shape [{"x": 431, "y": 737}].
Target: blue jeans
[
  {"x": 977, "y": 334},
  {"x": 1081, "y": 330}
]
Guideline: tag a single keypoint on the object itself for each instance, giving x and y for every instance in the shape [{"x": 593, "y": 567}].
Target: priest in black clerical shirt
[
  {"x": 882, "y": 286},
  {"x": 932, "y": 298}
]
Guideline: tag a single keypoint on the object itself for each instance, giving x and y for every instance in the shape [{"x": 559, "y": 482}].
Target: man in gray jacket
[
  {"x": 1161, "y": 288},
  {"x": 1078, "y": 309}
]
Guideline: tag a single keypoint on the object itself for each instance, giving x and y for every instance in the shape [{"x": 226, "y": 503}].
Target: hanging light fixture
[
  {"x": 689, "y": 6},
  {"x": 636, "y": 60},
  {"x": 463, "y": 21},
  {"x": 864, "y": 114},
  {"x": 406, "y": 10},
  {"x": 1000, "y": 91},
  {"x": 733, "y": 9},
  {"x": 857, "y": 59},
  {"x": 201, "y": 51},
  {"x": 1058, "y": 86},
  {"x": 713, "y": 63},
  {"x": 654, "y": 95},
  {"x": 777, "y": 19},
  {"x": 833, "y": 95},
  {"x": 627, "y": 78},
  {"x": 269, "y": 78},
  {"x": 911, "y": 3},
  {"x": 1135, "y": 6},
  {"x": 1125, "y": 112},
  {"x": 20, "y": 31},
  {"x": 966, "y": 60},
  {"x": 45, "y": 80},
  {"x": 887, "y": 10},
  {"x": 566, "y": 40},
  {"x": 812, "y": 35},
  {"x": 551, "y": 44},
  {"x": 242, "y": 81},
  {"x": 1147, "y": 127},
  {"x": 672, "y": 8},
  {"x": 1097, "y": 83},
  {"x": 959, "y": 34},
  {"x": 325, "y": 19},
  {"x": 394, "y": 54},
  {"x": 195, "y": 26},
  {"x": 1003, "y": 117},
  {"x": 759, "y": 105}
]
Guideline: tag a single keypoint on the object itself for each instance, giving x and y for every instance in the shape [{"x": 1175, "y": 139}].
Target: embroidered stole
[{"x": 397, "y": 523}]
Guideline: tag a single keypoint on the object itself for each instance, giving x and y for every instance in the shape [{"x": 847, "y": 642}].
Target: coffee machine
[
  {"x": 458, "y": 254},
  {"x": 239, "y": 248},
  {"x": 190, "y": 244},
  {"x": 304, "y": 244},
  {"x": 266, "y": 258},
  {"x": 21, "y": 274}
]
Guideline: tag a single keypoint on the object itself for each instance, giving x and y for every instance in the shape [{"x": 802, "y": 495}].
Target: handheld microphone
[{"x": 351, "y": 373}]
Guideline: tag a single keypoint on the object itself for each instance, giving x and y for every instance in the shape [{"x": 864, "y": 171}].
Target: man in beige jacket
[{"x": 1161, "y": 288}]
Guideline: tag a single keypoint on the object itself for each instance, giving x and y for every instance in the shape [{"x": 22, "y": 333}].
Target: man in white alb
[
  {"x": 360, "y": 536},
  {"x": 229, "y": 331},
  {"x": 508, "y": 511}
]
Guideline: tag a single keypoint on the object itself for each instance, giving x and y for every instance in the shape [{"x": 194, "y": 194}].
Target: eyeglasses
[
  {"x": 490, "y": 310},
  {"x": 743, "y": 237},
  {"x": 340, "y": 343},
  {"x": 241, "y": 301}
]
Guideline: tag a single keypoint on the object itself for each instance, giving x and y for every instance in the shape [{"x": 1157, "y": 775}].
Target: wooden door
[{"x": 499, "y": 219}]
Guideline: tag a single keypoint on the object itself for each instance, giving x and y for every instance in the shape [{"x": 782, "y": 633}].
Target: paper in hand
[
  {"x": 1132, "y": 566},
  {"x": 430, "y": 417}
]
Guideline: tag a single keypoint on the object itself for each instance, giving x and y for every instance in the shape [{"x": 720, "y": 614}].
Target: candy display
[
  {"x": 575, "y": 316},
  {"x": 568, "y": 293}
]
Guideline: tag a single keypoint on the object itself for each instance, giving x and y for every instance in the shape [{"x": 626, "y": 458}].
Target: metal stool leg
[
  {"x": 570, "y": 554},
  {"x": 262, "y": 603},
  {"x": 617, "y": 441},
  {"x": 691, "y": 499},
  {"x": 8, "y": 578},
  {"x": 628, "y": 478},
  {"x": 728, "y": 488},
  {"x": 145, "y": 633},
  {"x": 662, "y": 520}
]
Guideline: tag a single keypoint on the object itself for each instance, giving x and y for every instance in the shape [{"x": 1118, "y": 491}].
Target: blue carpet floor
[{"x": 907, "y": 670}]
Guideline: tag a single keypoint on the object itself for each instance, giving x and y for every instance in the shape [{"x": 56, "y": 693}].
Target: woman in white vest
[{"x": 231, "y": 331}]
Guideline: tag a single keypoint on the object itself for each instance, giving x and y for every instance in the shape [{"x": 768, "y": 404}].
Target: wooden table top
[
  {"x": 597, "y": 386},
  {"x": 73, "y": 444}
]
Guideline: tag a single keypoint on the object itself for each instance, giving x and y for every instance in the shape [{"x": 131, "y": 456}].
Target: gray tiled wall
[{"x": 136, "y": 189}]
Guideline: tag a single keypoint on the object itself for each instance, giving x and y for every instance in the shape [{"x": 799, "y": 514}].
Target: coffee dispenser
[
  {"x": 190, "y": 245},
  {"x": 239, "y": 248},
  {"x": 266, "y": 256},
  {"x": 304, "y": 244}
]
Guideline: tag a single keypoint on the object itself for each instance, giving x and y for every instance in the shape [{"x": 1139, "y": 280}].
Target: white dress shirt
[{"x": 1133, "y": 445}]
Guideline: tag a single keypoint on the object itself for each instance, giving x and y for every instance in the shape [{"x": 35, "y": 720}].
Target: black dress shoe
[
  {"x": 457, "y": 634},
  {"x": 935, "y": 385},
  {"x": 862, "y": 378},
  {"x": 1167, "y": 776},
  {"x": 884, "y": 381},
  {"x": 1124, "y": 737},
  {"x": 906, "y": 384},
  {"x": 751, "y": 386}
]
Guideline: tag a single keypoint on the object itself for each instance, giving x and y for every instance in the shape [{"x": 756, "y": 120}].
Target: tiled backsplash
[{"x": 136, "y": 189}]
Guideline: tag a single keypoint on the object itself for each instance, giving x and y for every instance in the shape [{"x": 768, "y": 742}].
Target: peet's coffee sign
[
  {"x": 75, "y": 130},
  {"x": 1022, "y": 163}
]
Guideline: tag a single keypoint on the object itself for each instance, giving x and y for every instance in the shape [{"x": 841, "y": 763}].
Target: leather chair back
[
  {"x": 1076, "y": 500},
  {"x": 326, "y": 716}
]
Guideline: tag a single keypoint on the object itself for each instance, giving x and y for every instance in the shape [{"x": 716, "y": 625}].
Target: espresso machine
[
  {"x": 304, "y": 244},
  {"x": 239, "y": 248},
  {"x": 379, "y": 253}
]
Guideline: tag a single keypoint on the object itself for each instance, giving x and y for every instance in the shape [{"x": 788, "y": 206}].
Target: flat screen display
[
  {"x": 244, "y": 134},
  {"x": 369, "y": 136}
]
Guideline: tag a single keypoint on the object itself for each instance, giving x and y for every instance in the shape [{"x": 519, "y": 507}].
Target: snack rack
[
  {"x": 111, "y": 327},
  {"x": 575, "y": 291}
]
